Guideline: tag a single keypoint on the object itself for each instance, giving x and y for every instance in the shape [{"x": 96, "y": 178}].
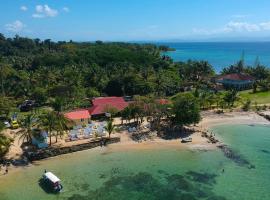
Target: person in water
[{"x": 45, "y": 171}]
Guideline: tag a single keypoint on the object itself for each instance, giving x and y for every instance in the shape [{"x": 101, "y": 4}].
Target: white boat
[
  {"x": 52, "y": 181},
  {"x": 186, "y": 140}
]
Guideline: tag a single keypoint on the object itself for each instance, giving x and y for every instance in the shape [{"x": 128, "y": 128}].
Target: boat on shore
[
  {"x": 52, "y": 182},
  {"x": 186, "y": 140}
]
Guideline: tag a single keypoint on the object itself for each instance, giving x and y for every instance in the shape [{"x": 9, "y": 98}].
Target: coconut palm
[
  {"x": 60, "y": 125},
  {"x": 26, "y": 133},
  {"x": 110, "y": 128},
  {"x": 48, "y": 123}
]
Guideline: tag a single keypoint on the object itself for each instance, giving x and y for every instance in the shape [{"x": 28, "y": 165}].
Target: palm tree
[
  {"x": 5, "y": 142},
  {"x": 58, "y": 104},
  {"x": 230, "y": 97},
  {"x": 27, "y": 128},
  {"x": 110, "y": 127},
  {"x": 48, "y": 123},
  {"x": 60, "y": 125}
]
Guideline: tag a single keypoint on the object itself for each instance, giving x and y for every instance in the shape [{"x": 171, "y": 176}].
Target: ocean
[
  {"x": 221, "y": 54},
  {"x": 156, "y": 175}
]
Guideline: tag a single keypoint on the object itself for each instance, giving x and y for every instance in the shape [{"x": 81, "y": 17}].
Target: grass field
[{"x": 259, "y": 97}]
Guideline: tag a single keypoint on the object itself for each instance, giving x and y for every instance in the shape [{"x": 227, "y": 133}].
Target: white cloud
[
  {"x": 66, "y": 9},
  {"x": 241, "y": 27},
  {"x": 235, "y": 27},
  {"x": 16, "y": 26},
  {"x": 43, "y": 11},
  {"x": 23, "y": 8},
  {"x": 265, "y": 25}
]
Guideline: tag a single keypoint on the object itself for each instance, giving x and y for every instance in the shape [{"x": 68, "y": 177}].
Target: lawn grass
[{"x": 259, "y": 97}]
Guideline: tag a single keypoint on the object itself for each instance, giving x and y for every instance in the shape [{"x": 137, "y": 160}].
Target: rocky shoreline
[{"x": 53, "y": 151}]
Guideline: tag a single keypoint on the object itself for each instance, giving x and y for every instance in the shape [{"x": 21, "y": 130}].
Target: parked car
[
  {"x": 14, "y": 124},
  {"x": 7, "y": 124},
  {"x": 27, "y": 105}
]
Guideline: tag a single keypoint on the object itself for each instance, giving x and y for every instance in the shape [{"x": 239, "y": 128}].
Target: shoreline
[{"x": 209, "y": 120}]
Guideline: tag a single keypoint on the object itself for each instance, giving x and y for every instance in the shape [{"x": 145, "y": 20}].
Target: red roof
[
  {"x": 100, "y": 104},
  {"x": 236, "y": 77},
  {"x": 78, "y": 114},
  {"x": 163, "y": 101}
]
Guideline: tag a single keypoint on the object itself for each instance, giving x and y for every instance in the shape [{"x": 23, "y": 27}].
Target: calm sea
[
  {"x": 156, "y": 175},
  {"x": 221, "y": 54}
]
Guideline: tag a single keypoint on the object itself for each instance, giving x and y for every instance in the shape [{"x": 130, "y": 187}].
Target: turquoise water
[
  {"x": 221, "y": 54},
  {"x": 151, "y": 174}
]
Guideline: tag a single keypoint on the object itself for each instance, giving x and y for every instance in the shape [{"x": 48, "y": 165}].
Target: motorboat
[
  {"x": 52, "y": 182},
  {"x": 186, "y": 140}
]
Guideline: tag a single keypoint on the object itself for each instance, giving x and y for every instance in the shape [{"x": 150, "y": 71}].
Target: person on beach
[{"x": 7, "y": 170}]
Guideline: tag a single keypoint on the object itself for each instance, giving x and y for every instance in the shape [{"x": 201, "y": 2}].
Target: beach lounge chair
[{"x": 73, "y": 135}]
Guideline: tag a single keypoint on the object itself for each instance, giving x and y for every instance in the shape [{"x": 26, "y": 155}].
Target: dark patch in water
[
  {"x": 162, "y": 172},
  {"x": 84, "y": 186},
  {"x": 115, "y": 171},
  {"x": 205, "y": 178},
  {"x": 190, "y": 186},
  {"x": 265, "y": 151},
  {"x": 178, "y": 182},
  {"x": 102, "y": 176},
  {"x": 235, "y": 157}
]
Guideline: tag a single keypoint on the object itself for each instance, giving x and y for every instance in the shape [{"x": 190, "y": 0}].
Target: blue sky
[{"x": 131, "y": 20}]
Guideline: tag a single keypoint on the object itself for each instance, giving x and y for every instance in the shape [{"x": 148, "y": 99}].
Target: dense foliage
[
  {"x": 43, "y": 70},
  {"x": 5, "y": 142}
]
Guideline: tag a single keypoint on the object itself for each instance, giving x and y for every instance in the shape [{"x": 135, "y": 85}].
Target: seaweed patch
[
  {"x": 235, "y": 157},
  {"x": 189, "y": 186}
]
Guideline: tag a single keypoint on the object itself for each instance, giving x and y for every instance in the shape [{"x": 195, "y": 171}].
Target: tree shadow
[{"x": 176, "y": 133}]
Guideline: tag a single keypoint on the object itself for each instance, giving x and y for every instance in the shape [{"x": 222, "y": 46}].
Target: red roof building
[
  {"x": 237, "y": 81},
  {"x": 236, "y": 77},
  {"x": 101, "y": 103},
  {"x": 163, "y": 101},
  {"x": 78, "y": 114}
]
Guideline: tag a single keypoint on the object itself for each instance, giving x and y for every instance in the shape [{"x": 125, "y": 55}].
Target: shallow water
[{"x": 151, "y": 174}]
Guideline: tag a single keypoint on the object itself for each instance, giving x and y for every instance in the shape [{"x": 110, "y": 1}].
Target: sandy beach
[{"x": 209, "y": 119}]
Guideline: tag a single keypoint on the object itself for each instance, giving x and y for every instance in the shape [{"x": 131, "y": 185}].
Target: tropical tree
[
  {"x": 60, "y": 126},
  {"x": 186, "y": 110},
  {"x": 48, "y": 123},
  {"x": 5, "y": 70},
  {"x": 58, "y": 104},
  {"x": 27, "y": 124},
  {"x": 5, "y": 142},
  {"x": 126, "y": 114},
  {"x": 6, "y": 106},
  {"x": 110, "y": 128},
  {"x": 111, "y": 110},
  {"x": 230, "y": 97}
]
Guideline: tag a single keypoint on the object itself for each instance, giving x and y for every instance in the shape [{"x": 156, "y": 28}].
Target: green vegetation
[
  {"x": 66, "y": 75},
  {"x": 45, "y": 70},
  {"x": 27, "y": 124},
  {"x": 186, "y": 110},
  {"x": 5, "y": 142},
  {"x": 259, "y": 97},
  {"x": 110, "y": 127}
]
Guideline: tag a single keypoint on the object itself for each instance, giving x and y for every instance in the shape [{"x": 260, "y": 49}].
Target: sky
[{"x": 137, "y": 20}]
